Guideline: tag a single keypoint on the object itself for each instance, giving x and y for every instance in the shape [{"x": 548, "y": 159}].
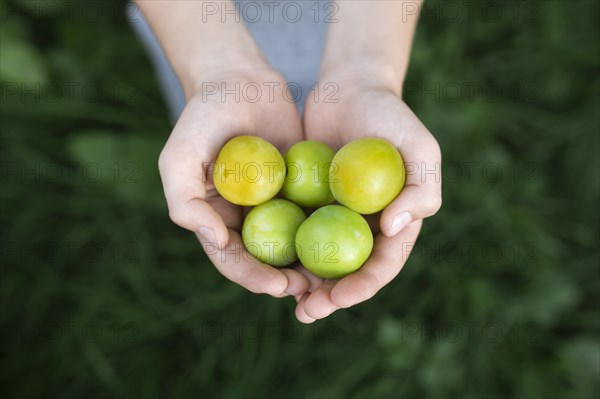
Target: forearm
[
  {"x": 371, "y": 41},
  {"x": 197, "y": 37}
]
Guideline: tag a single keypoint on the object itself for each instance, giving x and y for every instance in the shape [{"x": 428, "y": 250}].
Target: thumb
[
  {"x": 413, "y": 203},
  {"x": 200, "y": 217}
]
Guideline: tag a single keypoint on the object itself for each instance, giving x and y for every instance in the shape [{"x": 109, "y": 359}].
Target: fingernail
[
  {"x": 400, "y": 221},
  {"x": 207, "y": 234}
]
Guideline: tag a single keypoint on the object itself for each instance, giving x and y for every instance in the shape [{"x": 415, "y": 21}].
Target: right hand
[{"x": 208, "y": 121}]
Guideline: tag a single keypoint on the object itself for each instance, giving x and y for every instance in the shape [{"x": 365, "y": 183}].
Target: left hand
[{"x": 366, "y": 109}]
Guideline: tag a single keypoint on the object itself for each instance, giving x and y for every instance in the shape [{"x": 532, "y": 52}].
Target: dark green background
[{"x": 102, "y": 296}]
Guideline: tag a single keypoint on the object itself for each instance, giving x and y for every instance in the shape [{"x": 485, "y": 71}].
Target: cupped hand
[
  {"x": 246, "y": 101},
  {"x": 361, "y": 109}
]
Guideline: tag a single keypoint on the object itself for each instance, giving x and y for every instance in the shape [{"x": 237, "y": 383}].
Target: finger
[
  {"x": 231, "y": 214},
  {"x": 421, "y": 196},
  {"x": 387, "y": 259},
  {"x": 300, "y": 313},
  {"x": 413, "y": 203},
  {"x": 318, "y": 305},
  {"x": 239, "y": 266},
  {"x": 297, "y": 283},
  {"x": 314, "y": 281},
  {"x": 183, "y": 178}
]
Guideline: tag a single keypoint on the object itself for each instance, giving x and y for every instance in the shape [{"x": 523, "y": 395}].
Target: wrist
[
  {"x": 216, "y": 65},
  {"x": 363, "y": 74},
  {"x": 197, "y": 43},
  {"x": 378, "y": 56}
]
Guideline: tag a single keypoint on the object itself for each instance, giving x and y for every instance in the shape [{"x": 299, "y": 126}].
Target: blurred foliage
[{"x": 102, "y": 296}]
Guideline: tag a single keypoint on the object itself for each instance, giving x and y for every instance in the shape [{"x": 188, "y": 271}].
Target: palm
[
  {"x": 277, "y": 122},
  {"x": 361, "y": 113},
  {"x": 207, "y": 122}
]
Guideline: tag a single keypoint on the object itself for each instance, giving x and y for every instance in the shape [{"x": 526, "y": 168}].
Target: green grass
[{"x": 102, "y": 296}]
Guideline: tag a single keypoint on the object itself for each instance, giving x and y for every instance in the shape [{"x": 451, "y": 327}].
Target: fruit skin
[
  {"x": 367, "y": 174},
  {"x": 269, "y": 231},
  {"x": 334, "y": 241},
  {"x": 307, "y": 180},
  {"x": 248, "y": 171}
]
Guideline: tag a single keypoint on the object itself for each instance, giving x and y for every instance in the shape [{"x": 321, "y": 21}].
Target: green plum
[
  {"x": 269, "y": 231},
  {"x": 248, "y": 171},
  {"x": 367, "y": 174},
  {"x": 307, "y": 180},
  {"x": 334, "y": 241}
]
